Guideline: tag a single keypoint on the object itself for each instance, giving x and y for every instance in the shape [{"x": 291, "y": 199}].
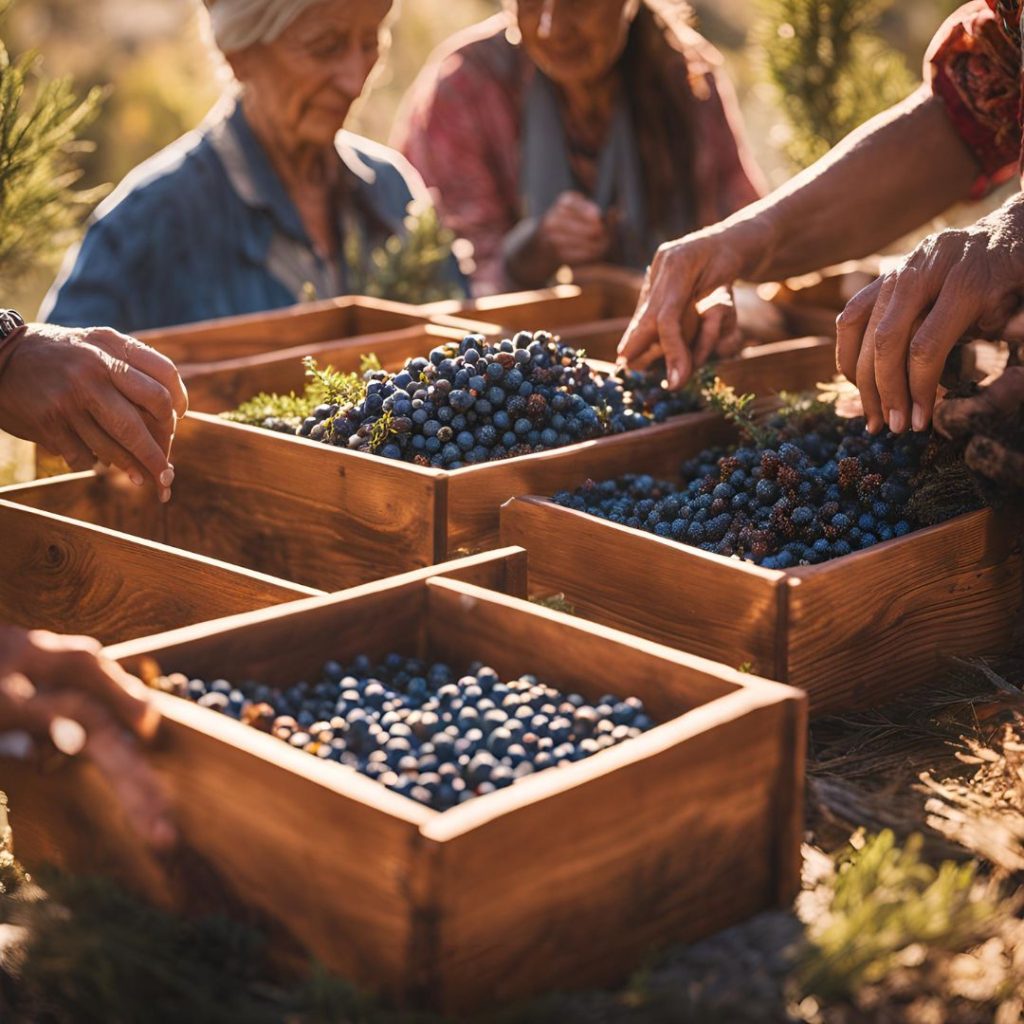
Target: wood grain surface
[
  {"x": 656, "y": 588},
  {"x": 660, "y": 839},
  {"x": 71, "y": 577},
  {"x": 864, "y": 627},
  {"x": 222, "y": 385},
  {"x": 303, "y": 324}
]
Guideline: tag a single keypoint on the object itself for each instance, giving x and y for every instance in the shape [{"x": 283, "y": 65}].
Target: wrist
[
  {"x": 752, "y": 243},
  {"x": 9, "y": 344}
]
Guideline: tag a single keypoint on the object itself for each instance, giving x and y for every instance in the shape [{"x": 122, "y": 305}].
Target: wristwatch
[{"x": 10, "y": 321}]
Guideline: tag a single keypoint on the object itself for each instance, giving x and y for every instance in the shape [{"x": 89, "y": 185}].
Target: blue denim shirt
[{"x": 206, "y": 228}]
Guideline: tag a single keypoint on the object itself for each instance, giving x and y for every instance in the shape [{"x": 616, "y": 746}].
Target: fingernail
[
  {"x": 897, "y": 421},
  {"x": 136, "y": 477},
  {"x": 918, "y": 417},
  {"x": 875, "y": 425},
  {"x": 165, "y": 495},
  {"x": 673, "y": 378},
  {"x": 67, "y": 736},
  {"x": 167, "y": 476}
]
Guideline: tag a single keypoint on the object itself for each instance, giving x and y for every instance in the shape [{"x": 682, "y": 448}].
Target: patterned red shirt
[
  {"x": 460, "y": 127},
  {"x": 974, "y": 66}
]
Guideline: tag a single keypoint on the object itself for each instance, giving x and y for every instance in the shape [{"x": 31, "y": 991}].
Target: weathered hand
[
  {"x": 1000, "y": 405},
  {"x": 668, "y": 316},
  {"x": 894, "y": 336},
  {"x": 93, "y": 395},
  {"x": 60, "y": 690},
  {"x": 575, "y": 230}
]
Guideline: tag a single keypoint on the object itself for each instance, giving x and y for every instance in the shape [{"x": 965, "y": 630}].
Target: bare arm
[{"x": 894, "y": 173}]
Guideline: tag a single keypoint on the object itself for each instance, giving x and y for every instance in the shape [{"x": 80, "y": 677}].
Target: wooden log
[
  {"x": 852, "y": 631},
  {"x": 661, "y": 839}
]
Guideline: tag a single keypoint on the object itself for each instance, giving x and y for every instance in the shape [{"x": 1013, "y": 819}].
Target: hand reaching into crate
[
  {"x": 93, "y": 394},
  {"x": 60, "y": 691},
  {"x": 994, "y": 422}
]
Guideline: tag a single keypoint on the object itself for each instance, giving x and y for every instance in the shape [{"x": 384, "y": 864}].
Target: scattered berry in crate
[
  {"x": 423, "y": 730},
  {"x": 810, "y": 496},
  {"x": 476, "y": 401}
]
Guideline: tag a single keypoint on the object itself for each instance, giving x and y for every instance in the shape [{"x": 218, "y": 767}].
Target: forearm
[{"x": 892, "y": 175}]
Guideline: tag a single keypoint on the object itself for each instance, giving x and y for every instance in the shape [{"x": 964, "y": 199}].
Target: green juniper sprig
[{"x": 40, "y": 121}]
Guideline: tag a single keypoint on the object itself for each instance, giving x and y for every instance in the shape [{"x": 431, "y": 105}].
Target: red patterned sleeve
[
  {"x": 457, "y": 130},
  {"x": 975, "y": 70}
]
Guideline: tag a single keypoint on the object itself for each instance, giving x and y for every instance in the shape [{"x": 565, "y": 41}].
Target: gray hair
[{"x": 238, "y": 24}]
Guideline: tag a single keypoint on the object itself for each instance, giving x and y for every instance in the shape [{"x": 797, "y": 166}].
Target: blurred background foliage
[{"x": 161, "y": 80}]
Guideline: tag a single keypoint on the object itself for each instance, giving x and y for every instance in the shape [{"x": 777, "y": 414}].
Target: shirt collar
[{"x": 258, "y": 185}]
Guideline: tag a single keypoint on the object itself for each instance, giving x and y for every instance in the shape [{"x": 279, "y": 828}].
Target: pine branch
[
  {"x": 830, "y": 68},
  {"x": 40, "y": 120}
]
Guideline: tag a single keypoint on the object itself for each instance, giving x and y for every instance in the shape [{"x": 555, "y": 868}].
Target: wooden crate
[
  {"x": 310, "y": 323},
  {"x": 72, "y": 577},
  {"x": 594, "y": 312},
  {"x": 223, "y": 384},
  {"x": 570, "y": 877},
  {"x": 852, "y": 632},
  {"x": 440, "y": 512},
  {"x": 312, "y": 516}
]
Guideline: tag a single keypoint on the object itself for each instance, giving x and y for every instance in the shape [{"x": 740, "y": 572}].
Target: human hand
[
  {"x": 60, "y": 690},
  {"x": 986, "y": 419},
  {"x": 690, "y": 277},
  {"x": 894, "y": 335},
  {"x": 93, "y": 395},
  {"x": 575, "y": 230}
]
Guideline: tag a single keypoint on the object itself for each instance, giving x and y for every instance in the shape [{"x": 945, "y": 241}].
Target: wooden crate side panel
[
  {"x": 267, "y": 648},
  {"x": 299, "y": 510},
  {"x": 652, "y": 587},
  {"x": 72, "y": 578},
  {"x": 233, "y": 336},
  {"x": 599, "y": 339},
  {"x": 679, "y": 843},
  {"x": 303, "y": 324},
  {"x": 223, "y": 385},
  {"x": 866, "y": 626},
  {"x": 103, "y": 499},
  {"x": 566, "y": 652},
  {"x": 476, "y": 494},
  {"x": 279, "y": 829},
  {"x": 796, "y": 365}
]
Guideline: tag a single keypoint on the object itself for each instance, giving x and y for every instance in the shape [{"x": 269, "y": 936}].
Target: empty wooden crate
[
  {"x": 852, "y": 631},
  {"x": 310, "y": 323},
  {"x": 569, "y": 877}
]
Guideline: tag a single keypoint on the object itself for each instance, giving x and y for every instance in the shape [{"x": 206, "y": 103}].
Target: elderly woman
[
  {"x": 575, "y": 131},
  {"x": 957, "y": 137},
  {"x": 260, "y": 206}
]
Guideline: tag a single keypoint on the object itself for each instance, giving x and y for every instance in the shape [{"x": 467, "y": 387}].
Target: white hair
[{"x": 238, "y": 24}]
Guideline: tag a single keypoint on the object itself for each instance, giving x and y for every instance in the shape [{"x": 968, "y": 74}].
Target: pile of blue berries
[
  {"x": 475, "y": 402},
  {"x": 421, "y": 729},
  {"x": 818, "y": 495}
]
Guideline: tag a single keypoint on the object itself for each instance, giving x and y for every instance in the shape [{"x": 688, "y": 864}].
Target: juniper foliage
[
  {"x": 830, "y": 67},
  {"x": 40, "y": 122}
]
